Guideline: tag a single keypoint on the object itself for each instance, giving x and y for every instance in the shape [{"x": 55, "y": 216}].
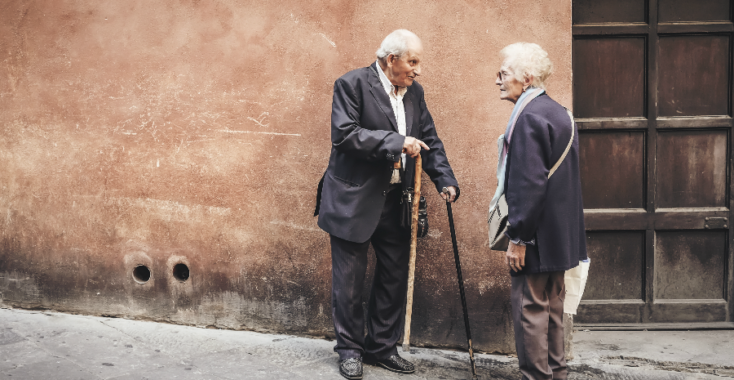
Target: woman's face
[{"x": 510, "y": 87}]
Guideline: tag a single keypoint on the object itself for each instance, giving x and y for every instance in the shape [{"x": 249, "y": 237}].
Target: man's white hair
[
  {"x": 396, "y": 43},
  {"x": 528, "y": 59}
]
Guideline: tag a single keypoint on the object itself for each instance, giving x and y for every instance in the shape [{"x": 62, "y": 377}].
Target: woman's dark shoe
[
  {"x": 394, "y": 363},
  {"x": 351, "y": 368}
]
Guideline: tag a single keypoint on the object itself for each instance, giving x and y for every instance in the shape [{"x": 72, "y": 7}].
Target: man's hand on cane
[
  {"x": 449, "y": 194},
  {"x": 412, "y": 146},
  {"x": 515, "y": 256}
]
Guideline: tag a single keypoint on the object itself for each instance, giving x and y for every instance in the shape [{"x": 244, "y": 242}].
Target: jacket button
[{"x": 384, "y": 193}]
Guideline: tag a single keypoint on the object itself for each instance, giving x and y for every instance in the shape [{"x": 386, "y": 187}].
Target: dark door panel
[
  {"x": 617, "y": 270},
  {"x": 603, "y": 11},
  {"x": 694, "y": 75},
  {"x": 609, "y": 77},
  {"x": 689, "y": 265},
  {"x": 613, "y": 169},
  {"x": 699, "y": 10},
  {"x": 606, "y": 312},
  {"x": 692, "y": 168},
  {"x": 688, "y": 312}
]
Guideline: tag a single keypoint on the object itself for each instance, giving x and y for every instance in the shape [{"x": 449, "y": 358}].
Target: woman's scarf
[{"x": 504, "y": 144}]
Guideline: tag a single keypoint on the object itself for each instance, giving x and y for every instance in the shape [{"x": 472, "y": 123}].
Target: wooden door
[{"x": 653, "y": 102}]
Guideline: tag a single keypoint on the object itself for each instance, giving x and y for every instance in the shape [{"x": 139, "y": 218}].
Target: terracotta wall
[{"x": 164, "y": 132}]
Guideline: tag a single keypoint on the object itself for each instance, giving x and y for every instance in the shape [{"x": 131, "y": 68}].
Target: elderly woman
[{"x": 540, "y": 161}]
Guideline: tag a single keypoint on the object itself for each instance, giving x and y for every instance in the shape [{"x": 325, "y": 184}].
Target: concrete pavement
[{"x": 48, "y": 345}]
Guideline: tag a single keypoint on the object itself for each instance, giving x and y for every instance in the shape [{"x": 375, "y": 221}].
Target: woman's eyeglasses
[{"x": 502, "y": 76}]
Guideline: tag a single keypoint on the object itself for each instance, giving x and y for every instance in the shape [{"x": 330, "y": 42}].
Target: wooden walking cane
[{"x": 413, "y": 243}]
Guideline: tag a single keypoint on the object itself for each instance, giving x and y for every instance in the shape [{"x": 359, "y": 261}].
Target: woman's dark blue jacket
[{"x": 548, "y": 211}]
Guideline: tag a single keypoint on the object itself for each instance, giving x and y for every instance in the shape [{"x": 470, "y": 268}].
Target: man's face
[{"x": 403, "y": 71}]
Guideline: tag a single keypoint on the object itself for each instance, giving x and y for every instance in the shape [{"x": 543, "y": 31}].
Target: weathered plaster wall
[{"x": 166, "y": 131}]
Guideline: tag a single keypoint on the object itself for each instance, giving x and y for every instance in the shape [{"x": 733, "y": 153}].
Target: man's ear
[{"x": 390, "y": 59}]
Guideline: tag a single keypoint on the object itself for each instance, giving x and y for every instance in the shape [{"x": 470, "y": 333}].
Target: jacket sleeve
[
  {"x": 435, "y": 162},
  {"x": 347, "y": 136},
  {"x": 529, "y": 157}
]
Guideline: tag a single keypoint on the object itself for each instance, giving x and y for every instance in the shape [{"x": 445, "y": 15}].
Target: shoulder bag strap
[{"x": 568, "y": 147}]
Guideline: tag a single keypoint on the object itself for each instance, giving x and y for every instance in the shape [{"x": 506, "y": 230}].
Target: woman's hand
[{"x": 515, "y": 256}]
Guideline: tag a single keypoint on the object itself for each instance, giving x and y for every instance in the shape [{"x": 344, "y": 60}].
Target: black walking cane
[{"x": 461, "y": 282}]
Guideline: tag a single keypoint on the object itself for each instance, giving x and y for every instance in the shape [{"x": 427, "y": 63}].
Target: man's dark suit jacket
[
  {"x": 551, "y": 210},
  {"x": 365, "y": 145}
]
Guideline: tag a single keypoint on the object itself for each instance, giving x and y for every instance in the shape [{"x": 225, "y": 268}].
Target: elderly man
[{"x": 379, "y": 123}]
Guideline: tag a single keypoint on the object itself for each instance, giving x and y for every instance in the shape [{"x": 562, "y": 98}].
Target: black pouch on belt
[
  {"x": 406, "y": 208},
  {"x": 422, "y": 217},
  {"x": 406, "y": 213}
]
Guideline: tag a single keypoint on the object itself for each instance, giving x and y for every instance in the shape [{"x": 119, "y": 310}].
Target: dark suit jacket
[
  {"x": 549, "y": 210},
  {"x": 365, "y": 145}
]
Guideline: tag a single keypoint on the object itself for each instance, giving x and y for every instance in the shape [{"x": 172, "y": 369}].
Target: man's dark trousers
[{"x": 387, "y": 299}]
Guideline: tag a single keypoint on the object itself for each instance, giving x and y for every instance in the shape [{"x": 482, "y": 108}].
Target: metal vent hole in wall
[
  {"x": 141, "y": 274},
  {"x": 181, "y": 272}
]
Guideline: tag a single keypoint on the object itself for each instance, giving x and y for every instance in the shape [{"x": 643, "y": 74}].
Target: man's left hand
[{"x": 451, "y": 196}]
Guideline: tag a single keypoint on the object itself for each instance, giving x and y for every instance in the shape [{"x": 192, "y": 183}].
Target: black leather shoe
[
  {"x": 351, "y": 368},
  {"x": 394, "y": 363}
]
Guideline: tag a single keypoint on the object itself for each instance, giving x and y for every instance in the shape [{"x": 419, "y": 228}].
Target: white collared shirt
[{"x": 396, "y": 100}]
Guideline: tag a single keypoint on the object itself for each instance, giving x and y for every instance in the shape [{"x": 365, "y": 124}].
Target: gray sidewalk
[{"x": 48, "y": 345}]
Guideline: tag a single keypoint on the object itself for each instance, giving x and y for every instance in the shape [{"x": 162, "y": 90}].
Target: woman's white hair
[
  {"x": 396, "y": 43},
  {"x": 528, "y": 59}
]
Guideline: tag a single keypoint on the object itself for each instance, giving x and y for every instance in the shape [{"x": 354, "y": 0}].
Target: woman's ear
[{"x": 527, "y": 82}]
